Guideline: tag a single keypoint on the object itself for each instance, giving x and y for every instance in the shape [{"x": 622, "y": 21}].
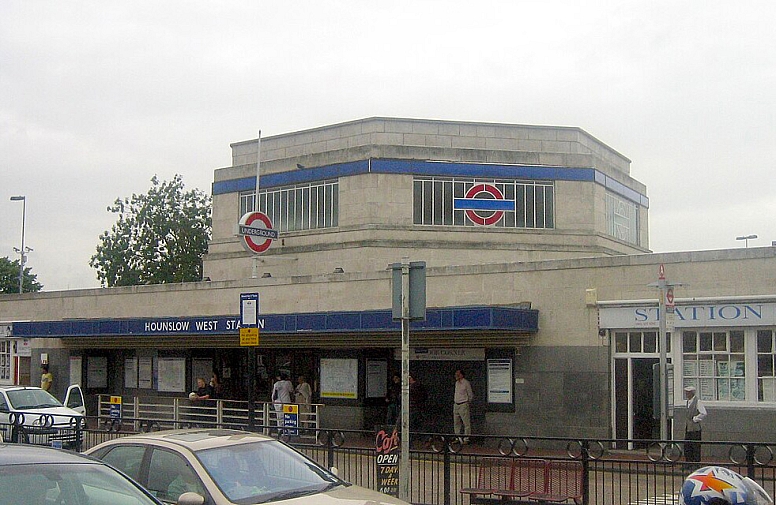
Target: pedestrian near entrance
[
  {"x": 418, "y": 398},
  {"x": 461, "y": 407},
  {"x": 282, "y": 392},
  {"x": 393, "y": 400},
  {"x": 46, "y": 377},
  {"x": 696, "y": 413},
  {"x": 204, "y": 390}
]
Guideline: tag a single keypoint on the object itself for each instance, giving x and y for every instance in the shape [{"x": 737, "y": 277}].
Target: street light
[
  {"x": 23, "y": 251},
  {"x": 747, "y": 238}
]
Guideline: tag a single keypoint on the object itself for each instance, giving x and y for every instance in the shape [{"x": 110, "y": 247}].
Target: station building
[{"x": 539, "y": 286}]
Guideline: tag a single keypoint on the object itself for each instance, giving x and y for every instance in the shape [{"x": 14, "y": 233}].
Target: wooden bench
[{"x": 515, "y": 481}]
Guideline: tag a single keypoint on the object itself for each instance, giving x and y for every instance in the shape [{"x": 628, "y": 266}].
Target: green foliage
[
  {"x": 160, "y": 237},
  {"x": 9, "y": 278}
]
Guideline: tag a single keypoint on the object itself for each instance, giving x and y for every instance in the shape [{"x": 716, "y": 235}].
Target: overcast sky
[{"x": 98, "y": 97}]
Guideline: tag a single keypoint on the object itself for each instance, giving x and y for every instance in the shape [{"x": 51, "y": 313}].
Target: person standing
[
  {"x": 393, "y": 399},
  {"x": 303, "y": 396},
  {"x": 282, "y": 392},
  {"x": 696, "y": 413},
  {"x": 204, "y": 390},
  {"x": 418, "y": 399},
  {"x": 46, "y": 378},
  {"x": 461, "y": 408}
]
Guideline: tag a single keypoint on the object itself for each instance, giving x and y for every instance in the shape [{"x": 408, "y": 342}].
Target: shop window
[
  {"x": 766, "y": 376},
  {"x": 714, "y": 362},
  {"x": 639, "y": 342}
]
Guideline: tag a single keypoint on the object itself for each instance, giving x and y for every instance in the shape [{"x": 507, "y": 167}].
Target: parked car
[
  {"x": 225, "y": 467},
  {"x": 39, "y": 475},
  {"x": 32, "y": 415}
]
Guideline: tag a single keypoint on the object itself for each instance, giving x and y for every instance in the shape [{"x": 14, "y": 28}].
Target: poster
[
  {"x": 706, "y": 368},
  {"x": 690, "y": 368},
  {"x": 339, "y": 378},
  {"x": 737, "y": 368},
  {"x": 376, "y": 378},
  {"x": 145, "y": 373},
  {"x": 723, "y": 390},
  {"x": 499, "y": 381},
  {"x": 737, "y": 390},
  {"x": 769, "y": 389},
  {"x": 97, "y": 372},
  {"x": 130, "y": 372},
  {"x": 172, "y": 374},
  {"x": 707, "y": 390},
  {"x": 723, "y": 369},
  {"x": 76, "y": 364}
]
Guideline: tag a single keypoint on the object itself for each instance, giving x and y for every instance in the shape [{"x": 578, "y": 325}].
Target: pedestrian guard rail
[
  {"x": 442, "y": 465},
  {"x": 136, "y": 413}
]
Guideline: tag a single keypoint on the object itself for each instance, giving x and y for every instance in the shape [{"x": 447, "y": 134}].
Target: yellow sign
[
  {"x": 290, "y": 409},
  {"x": 249, "y": 337},
  {"x": 115, "y": 400}
]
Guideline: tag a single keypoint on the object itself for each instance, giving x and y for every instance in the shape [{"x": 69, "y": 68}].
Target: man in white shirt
[
  {"x": 696, "y": 412},
  {"x": 282, "y": 392},
  {"x": 461, "y": 406}
]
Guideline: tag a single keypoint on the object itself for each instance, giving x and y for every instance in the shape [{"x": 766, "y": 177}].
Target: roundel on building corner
[
  {"x": 256, "y": 231},
  {"x": 484, "y": 204}
]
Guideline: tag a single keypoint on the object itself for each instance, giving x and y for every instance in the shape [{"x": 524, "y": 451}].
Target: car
[
  {"x": 32, "y": 415},
  {"x": 226, "y": 467},
  {"x": 32, "y": 474}
]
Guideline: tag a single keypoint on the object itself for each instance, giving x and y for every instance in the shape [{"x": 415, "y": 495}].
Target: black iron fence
[{"x": 441, "y": 465}]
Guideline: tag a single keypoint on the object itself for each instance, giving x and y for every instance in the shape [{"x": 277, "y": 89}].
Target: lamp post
[
  {"x": 747, "y": 238},
  {"x": 22, "y": 252}
]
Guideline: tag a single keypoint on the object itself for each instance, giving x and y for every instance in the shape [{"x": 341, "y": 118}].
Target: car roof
[
  {"x": 23, "y": 454},
  {"x": 196, "y": 439}
]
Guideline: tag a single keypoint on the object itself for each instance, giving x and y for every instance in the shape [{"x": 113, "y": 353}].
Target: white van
[{"x": 32, "y": 415}]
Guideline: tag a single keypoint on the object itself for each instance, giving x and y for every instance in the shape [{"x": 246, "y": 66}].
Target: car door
[
  {"x": 170, "y": 475},
  {"x": 74, "y": 399},
  {"x": 5, "y": 427}
]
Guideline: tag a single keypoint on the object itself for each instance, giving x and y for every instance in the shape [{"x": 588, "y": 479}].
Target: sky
[{"x": 98, "y": 97}]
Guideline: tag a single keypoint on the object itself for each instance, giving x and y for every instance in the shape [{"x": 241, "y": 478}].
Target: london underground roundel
[
  {"x": 484, "y": 204},
  {"x": 256, "y": 231}
]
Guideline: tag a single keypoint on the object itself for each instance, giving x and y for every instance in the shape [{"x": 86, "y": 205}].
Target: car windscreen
[
  {"x": 30, "y": 399},
  {"x": 75, "y": 484},
  {"x": 264, "y": 471}
]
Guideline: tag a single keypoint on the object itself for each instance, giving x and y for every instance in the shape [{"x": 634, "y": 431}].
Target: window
[
  {"x": 766, "y": 375},
  {"x": 5, "y": 360},
  {"x": 438, "y": 201},
  {"x": 298, "y": 207},
  {"x": 639, "y": 342},
  {"x": 714, "y": 362},
  {"x": 622, "y": 219}
]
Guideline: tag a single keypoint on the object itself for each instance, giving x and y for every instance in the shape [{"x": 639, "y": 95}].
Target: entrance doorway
[{"x": 634, "y": 411}]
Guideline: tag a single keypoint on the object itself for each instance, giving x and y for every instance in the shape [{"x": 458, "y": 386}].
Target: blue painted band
[{"x": 482, "y": 204}]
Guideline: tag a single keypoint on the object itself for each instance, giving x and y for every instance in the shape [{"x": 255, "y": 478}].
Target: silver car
[{"x": 225, "y": 467}]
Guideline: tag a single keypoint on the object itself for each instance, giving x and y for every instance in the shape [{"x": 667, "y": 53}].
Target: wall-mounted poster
[
  {"x": 145, "y": 373},
  {"x": 172, "y": 375},
  {"x": 76, "y": 362},
  {"x": 376, "y": 378},
  {"x": 130, "y": 372},
  {"x": 499, "y": 381},
  {"x": 339, "y": 378},
  {"x": 97, "y": 371}
]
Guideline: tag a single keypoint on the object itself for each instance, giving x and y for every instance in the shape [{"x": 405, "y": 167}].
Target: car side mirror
[{"x": 190, "y": 499}]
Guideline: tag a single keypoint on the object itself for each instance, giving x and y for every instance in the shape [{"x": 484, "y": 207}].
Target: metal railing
[
  {"x": 441, "y": 465},
  {"x": 166, "y": 412}
]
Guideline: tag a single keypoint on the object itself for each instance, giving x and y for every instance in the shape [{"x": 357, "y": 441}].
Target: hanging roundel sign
[
  {"x": 484, "y": 204},
  {"x": 256, "y": 231}
]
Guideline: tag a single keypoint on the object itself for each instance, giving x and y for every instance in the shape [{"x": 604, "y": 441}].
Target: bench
[{"x": 501, "y": 480}]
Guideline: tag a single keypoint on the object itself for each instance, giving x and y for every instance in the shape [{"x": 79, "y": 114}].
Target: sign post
[
  {"x": 665, "y": 301},
  {"x": 409, "y": 303},
  {"x": 249, "y": 337}
]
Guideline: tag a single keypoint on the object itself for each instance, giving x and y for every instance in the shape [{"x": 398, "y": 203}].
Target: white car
[
  {"x": 32, "y": 415},
  {"x": 229, "y": 467}
]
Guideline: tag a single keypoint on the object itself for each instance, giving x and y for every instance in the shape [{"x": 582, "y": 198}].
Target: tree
[
  {"x": 9, "y": 278},
  {"x": 160, "y": 237}
]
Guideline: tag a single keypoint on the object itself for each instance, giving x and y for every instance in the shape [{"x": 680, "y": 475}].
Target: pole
[
  {"x": 663, "y": 361},
  {"x": 404, "y": 466},
  {"x": 258, "y": 173},
  {"x": 21, "y": 252}
]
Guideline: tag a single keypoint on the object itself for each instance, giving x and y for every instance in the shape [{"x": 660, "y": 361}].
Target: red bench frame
[{"x": 530, "y": 480}]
